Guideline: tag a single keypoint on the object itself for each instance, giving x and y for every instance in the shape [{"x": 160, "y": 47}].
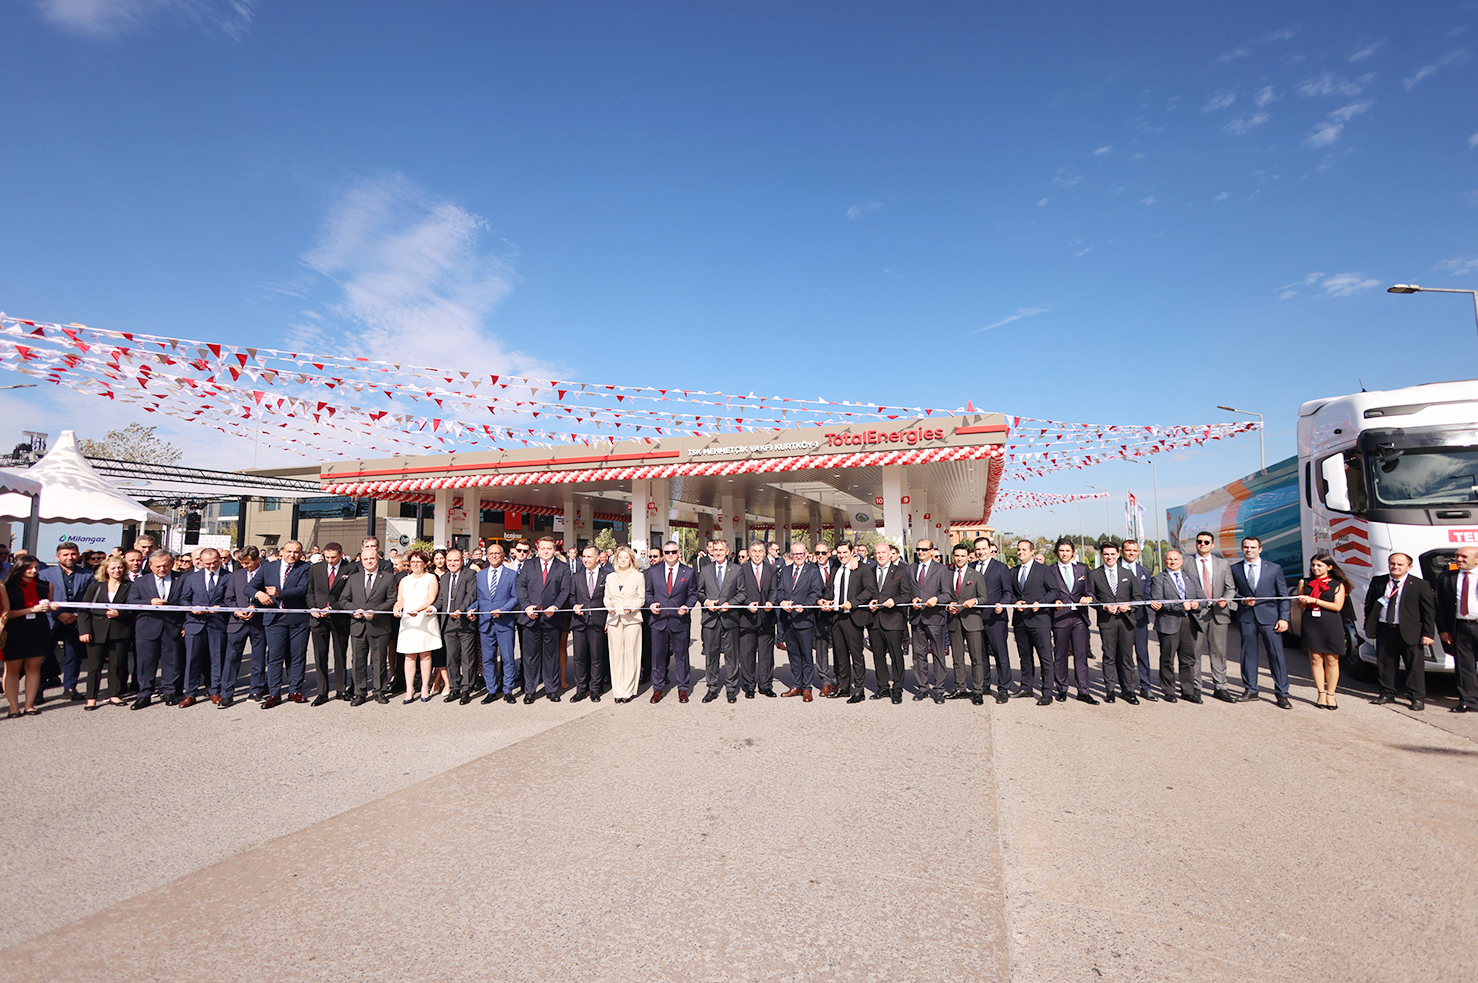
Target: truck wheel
[{"x": 1354, "y": 666}]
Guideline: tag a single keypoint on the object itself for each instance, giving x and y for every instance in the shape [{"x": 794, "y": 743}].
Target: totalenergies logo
[{"x": 863, "y": 438}]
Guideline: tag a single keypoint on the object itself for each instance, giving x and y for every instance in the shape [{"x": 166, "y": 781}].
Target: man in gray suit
[
  {"x": 369, "y": 596},
  {"x": 1214, "y": 576},
  {"x": 457, "y": 600},
  {"x": 721, "y": 594},
  {"x": 929, "y": 621},
  {"x": 1180, "y": 609}
]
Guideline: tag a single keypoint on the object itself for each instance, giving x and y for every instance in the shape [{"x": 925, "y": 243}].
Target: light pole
[
  {"x": 1155, "y": 473},
  {"x": 1262, "y": 443},
  {"x": 1059, "y": 521},
  {"x": 1411, "y": 288},
  {"x": 21, "y": 385}
]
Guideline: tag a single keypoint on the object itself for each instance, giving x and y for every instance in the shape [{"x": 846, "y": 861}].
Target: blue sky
[{"x": 1070, "y": 212}]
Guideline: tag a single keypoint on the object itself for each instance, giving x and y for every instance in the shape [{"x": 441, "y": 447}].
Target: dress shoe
[
  {"x": 187, "y": 702},
  {"x": 358, "y": 701},
  {"x": 382, "y": 699},
  {"x": 271, "y": 702},
  {"x": 1109, "y": 697},
  {"x": 710, "y": 696},
  {"x": 529, "y": 698},
  {"x": 344, "y": 695},
  {"x": 939, "y": 699},
  {"x": 977, "y": 699},
  {"x": 1383, "y": 699},
  {"x": 552, "y": 697},
  {"x": 72, "y": 694},
  {"x": 1461, "y": 708},
  {"x": 920, "y": 695},
  {"x": 320, "y": 699},
  {"x": 466, "y": 699},
  {"x": 733, "y": 697},
  {"x": 828, "y": 690},
  {"x": 794, "y": 691},
  {"x": 1248, "y": 697},
  {"x": 856, "y": 698},
  {"x": 897, "y": 697},
  {"x": 1170, "y": 698},
  {"x": 452, "y": 696},
  {"x": 1061, "y": 697},
  {"x": 1224, "y": 696},
  {"x": 1001, "y": 698},
  {"x": 839, "y": 693},
  {"x": 881, "y": 694},
  {"x": 1418, "y": 704},
  {"x": 509, "y": 698},
  {"x": 1088, "y": 699},
  {"x": 1025, "y": 693},
  {"x": 254, "y": 697},
  {"x": 297, "y": 697},
  {"x": 1044, "y": 700},
  {"x": 768, "y": 691},
  {"x": 225, "y": 704},
  {"x": 215, "y": 698},
  {"x": 490, "y": 698},
  {"x": 1283, "y": 703},
  {"x": 960, "y": 694},
  {"x": 1193, "y": 698},
  {"x": 682, "y": 696},
  {"x": 1131, "y": 699},
  {"x": 142, "y": 702},
  {"x": 594, "y": 697},
  {"x": 749, "y": 694},
  {"x": 578, "y": 697},
  {"x": 172, "y": 700},
  {"x": 657, "y": 695},
  {"x": 1145, "y": 694}
]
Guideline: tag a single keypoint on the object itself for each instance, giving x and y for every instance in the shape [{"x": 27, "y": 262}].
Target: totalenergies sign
[{"x": 865, "y": 437}]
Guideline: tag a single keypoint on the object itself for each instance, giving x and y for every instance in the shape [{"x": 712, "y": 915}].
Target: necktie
[
  {"x": 1205, "y": 576},
  {"x": 1113, "y": 579},
  {"x": 1021, "y": 576},
  {"x": 210, "y": 583},
  {"x": 959, "y": 580},
  {"x": 796, "y": 576},
  {"x": 590, "y": 580},
  {"x": 719, "y": 568},
  {"x": 1462, "y": 604},
  {"x": 546, "y": 571},
  {"x": 452, "y": 592},
  {"x": 1393, "y": 608},
  {"x": 1179, "y": 586},
  {"x": 671, "y": 571},
  {"x": 882, "y": 576},
  {"x": 369, "y": 581},
  {"x": 331, "y": 572},
  {"x": 842, "y": 586}
]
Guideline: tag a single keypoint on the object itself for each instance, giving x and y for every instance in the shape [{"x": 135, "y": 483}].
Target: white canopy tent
[{"x": 70, "y": 491}]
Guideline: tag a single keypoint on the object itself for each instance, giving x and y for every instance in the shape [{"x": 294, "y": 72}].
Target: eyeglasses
[
  {"x": 669, "y": 552},
  {"x": 1203, "y": 542}
]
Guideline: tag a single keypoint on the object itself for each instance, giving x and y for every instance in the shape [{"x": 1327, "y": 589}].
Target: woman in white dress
[
  {"x": 626, "y": 591},
  {"x": 420, "y": 628}
]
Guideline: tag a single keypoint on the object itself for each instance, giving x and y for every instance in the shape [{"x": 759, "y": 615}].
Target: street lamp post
[
  {"x": 1108, "y": 511},
  {"x": 21, "y": 385},
  {"x": 1411, "y": 288},
  {"x": 1155, "y": 473},
  {"x": 1262, "y": 442},
  {"x": 1059, "y": 521}
]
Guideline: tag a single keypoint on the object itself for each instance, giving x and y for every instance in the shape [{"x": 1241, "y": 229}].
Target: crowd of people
[{"x": 502, "y": 621}]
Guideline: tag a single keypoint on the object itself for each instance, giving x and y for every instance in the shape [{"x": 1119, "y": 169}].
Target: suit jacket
[
  {"x": 730, "y": 592},
  {"x": 804, "y": 589},
  {"x": 1069, "y": 594},
  {"x": 1034, "y": 591},
  {"x": 320, "y": 595},
  {"x": 1143, "y": 575},
  {"x": 1418, "y": 614},
  {"x": 935, "y": 582},
  {"x": 237, "y": 596},
  {"x": 195, "y": 595},
  {"x": 504, "y": 599},
  {"x": 1221, "y": 585},
  {"x": 465, "y": 600},
  {"x": 966, "y": 584},
  {"x": 861, "y": 589},
  {"x": 146, "y": 624},
  {"x": 536, "y": 591},
  {"x": 1128, "y": 590},
  {"x": 583, "y": 595},
  {"x": 762, "y": 590},
  {"x": 684, "y": 594},
  {"x": 1271, "y": 583},
  {"x": 997, "y": 587},
  {"x": 292, "y": 595},
  {"x": 358, "y": 596},
  {"x": 1447, "y": 603},
  {"x": 81, "y": 577},
  {"x": 1172, "y": 612},
  {"x": 896, "y": 584},
  {"x": 96, "y": 622}
]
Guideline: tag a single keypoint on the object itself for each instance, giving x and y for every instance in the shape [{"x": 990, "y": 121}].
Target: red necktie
[
  {"x": 670, "y": 572},
  {"x": 959, "y": 580},
  {"x": 1462, "y": 605},
  {"x": 331, "y": 577},
  {"x": 546, "y": 571}
]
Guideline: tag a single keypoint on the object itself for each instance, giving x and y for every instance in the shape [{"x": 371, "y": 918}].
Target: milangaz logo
[{"x": 802, "y": 446}]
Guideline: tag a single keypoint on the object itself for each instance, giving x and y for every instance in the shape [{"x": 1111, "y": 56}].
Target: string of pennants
[
  {"x": 1016, "y": 499},
  {"x": 335, "y": 406}
]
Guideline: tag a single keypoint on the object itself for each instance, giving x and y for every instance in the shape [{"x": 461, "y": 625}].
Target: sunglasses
[{"x": 669, "y": 552}]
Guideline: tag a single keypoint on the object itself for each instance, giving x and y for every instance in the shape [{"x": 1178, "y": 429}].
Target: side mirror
[{"x": 1336, "y": 489}]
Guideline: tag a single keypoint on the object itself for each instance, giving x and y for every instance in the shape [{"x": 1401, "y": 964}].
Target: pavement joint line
[{"x": 1008, "y": 917}]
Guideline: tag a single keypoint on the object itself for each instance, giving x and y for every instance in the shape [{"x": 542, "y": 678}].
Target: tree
[
  {"x": 605, "y": 540},
  {"x": 134, "y": 442}
]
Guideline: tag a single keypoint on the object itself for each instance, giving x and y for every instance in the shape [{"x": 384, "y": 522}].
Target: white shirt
[{"x": 1472, "y": 614}]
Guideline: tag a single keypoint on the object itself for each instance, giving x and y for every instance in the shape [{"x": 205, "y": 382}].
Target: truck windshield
[{"x": 1425, "y": 477}]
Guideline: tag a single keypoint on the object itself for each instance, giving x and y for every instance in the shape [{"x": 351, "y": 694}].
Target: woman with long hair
[
  {"x": 1323, "y": 597},
  {"x": 108, "y": 633},
  {"x": 420, "y": 629},
  {"x": 626, "y": 591},
  {"x": 28, "y": 633}
]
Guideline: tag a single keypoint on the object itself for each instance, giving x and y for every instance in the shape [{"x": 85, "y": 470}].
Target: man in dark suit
[
  {"x": 1032, "y": 626},
  {"x": 369, "y": 597},
  {"x": 497, "y": 600},
  {"x": 826, "y": 673},
  {"x": 241, "y": 627},
  {"x": 456, "y": 599},
  {"x": 326, "y": 627},
  {"x": 1129, "y": 562},
  {"x": 281, "y": 587},
  {"x": 1401, "y": 615},
  {"x": 797, "y": 590},
  {"x": 966, "y": 630},
  {"x": 543, "y": 588},
  {"x": 588, "y": 625},
  {"x": 158, "y": 637},
  {"x": 890, "y": 609},
  {"x": 68, "y": 580},
  {"x": 672, "y": 593},
  {"x": 1115, "y": 588},
  {"x": 757, "y": 623},
  {"x": 1262, "y": 621},
  {"x": 1457, "y": 621},
  {"x": 997, "y": 590},
  {"x": 849, "y": 594},
  {"x": 1180, "y": 608},
  {"x": 205, "y": 630},
  {"x": 929, "y": 621},
  {"x": 1067, "y": 585},
  {"x": 721, "y": 593}
]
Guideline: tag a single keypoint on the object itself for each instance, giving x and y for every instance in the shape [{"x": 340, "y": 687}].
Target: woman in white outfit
[
  {"x": 626, "y": 591},
  {"x": 420, "y": 628}
]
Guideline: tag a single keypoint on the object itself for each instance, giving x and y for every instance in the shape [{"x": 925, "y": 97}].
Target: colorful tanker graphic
[{"x": 1263, "y": 504}]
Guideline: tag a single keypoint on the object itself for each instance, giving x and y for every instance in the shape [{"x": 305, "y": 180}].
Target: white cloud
[
  {"x": 1221, "y": 197},
  {"x": 1240, "y": 126},
  {"x": 1043, "y": 201},
  {"x": 1291, "y": 289},
  {"x": 1346, "y": 284},
  {"x": 110, "y": 18},
  {"x": 1346, "y": 113},
  {"x": 1020, "y": 313},
  {"x": 1324, "y": 134},
  {"x": 1426, "y": 70},
  {"x": 1473, "y": 142},
  {"x": 1263, "y": 96},
  {"x": 1083, "y": 252},
  {"x": 1220, "y": 101},
  {"x": 1330, "y": 84},
  {"x": 417, "y": 281},
  {"x": 1282, "y": 34},
  {"x": 1369, "y": 51},
  {"x": 1458, "y": 266},
  {"x": 1107, "y": 148},
  {"x": 855, "y": 212},
  {"x": 1147, "y": 200},
  {"x": 1066, "y": 178},
  {"x": 1233, "y": 55}
]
